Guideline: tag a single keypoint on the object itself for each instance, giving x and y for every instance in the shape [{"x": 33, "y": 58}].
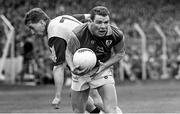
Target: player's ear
[{"x": 42, "y": 22}]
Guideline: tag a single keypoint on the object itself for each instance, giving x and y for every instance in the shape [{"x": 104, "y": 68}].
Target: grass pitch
[{"x": 138, "y": 97}]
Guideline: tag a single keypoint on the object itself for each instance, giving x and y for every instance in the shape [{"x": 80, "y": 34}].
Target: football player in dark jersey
[
  {"x": 58, "y": 32},
  {"x": 101, "y": 37}
]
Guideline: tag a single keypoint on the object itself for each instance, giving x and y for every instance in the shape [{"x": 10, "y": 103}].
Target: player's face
[
  {"x": 37, "y": 28},
  {"x": 100, "y": 24}
]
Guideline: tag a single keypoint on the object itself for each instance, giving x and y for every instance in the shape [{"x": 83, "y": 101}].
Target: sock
[{"x": 96, "y": 110}]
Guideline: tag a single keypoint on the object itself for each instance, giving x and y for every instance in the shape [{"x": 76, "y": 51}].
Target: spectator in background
[
  {"x": 1, "y": 49},
  {"x": 28, "y": 55},
  {"x": 127, "y": 66},
  {"x": 28, "y": 50},
  {"x": 177, "y": 76},
  {"x": 136, "y": 65}
]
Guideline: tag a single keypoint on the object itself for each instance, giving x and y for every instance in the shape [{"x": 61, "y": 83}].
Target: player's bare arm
[
  {"x": 72, "y": 46},
  {"x": 69, "y": 59},
  {"x": 57, "y": 46}
]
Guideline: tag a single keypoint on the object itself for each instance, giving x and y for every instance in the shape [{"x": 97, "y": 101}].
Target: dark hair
[
  {"x": 99, "y": 10},
  {"x": 35, "y": 15}
]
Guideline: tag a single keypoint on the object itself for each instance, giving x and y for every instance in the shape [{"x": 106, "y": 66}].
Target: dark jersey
[{"x": 102, "y": 46}]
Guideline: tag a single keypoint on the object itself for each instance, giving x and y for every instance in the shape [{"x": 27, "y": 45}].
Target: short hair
[
  {"x": 35, "y": 15},
  {"x": 99, "y": 10}
]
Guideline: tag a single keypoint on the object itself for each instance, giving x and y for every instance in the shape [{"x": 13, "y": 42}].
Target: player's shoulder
[
  {"x": 80, "y": 28},
  {"x": 57, "y": 19},
  {"x": 54, "y": 23},
  {"x": 116, "y": 31},
  {"x": 64, "y": 22},
  {"x": 62, "y": 16}
]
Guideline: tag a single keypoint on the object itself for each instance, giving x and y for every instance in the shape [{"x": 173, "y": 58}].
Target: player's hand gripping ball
[{"x": 85, "y": 58}]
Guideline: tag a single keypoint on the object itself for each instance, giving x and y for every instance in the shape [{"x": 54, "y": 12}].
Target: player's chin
[
  {"x": 101, "y": 34},
  {"x": 40, "y": 35}
]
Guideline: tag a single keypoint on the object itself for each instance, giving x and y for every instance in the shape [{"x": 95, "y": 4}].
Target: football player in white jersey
[{"x": 58, "y": 31}]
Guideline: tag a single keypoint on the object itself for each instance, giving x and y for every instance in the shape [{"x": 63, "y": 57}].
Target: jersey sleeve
[
  {"x": 117, "y": 34},
  {"x": 57, "y": 47},
  {"x": 119, "y": 45}
]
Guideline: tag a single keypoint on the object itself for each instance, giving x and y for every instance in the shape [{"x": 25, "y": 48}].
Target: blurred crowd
[{"x": 124, "y": 13}]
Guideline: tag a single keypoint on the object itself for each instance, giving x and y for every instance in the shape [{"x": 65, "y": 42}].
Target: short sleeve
[{"x": 57, "y": 46}]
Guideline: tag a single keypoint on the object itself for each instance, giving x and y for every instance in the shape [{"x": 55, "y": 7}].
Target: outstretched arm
[{"x": 57, "y": 46}]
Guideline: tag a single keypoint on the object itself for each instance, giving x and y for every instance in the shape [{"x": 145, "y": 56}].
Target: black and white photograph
[{"x": 90, "y": 56}]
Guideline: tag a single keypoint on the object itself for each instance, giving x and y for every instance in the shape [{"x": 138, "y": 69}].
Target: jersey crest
[
  {"x": 108, "y": 42},
  {"x": 92, "y": 41}
]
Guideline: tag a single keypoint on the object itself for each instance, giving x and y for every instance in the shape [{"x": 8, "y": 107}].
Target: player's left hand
[
  {"x": 100, "y": 68},
  {"x": 92, "y": 72},
  {"x": 80, "y": 71}
]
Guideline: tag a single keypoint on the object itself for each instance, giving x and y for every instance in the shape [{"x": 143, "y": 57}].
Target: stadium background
[
  {"x": 123, "y": 12},
  {"x": 36, "y": 68}
]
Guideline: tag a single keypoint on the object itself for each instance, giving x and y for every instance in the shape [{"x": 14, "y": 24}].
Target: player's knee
[
  {"x": 77, "y": 109},
  {"x": 109, "y": 109},
  {"x": 99, "y": 104},
  {"x": 96, "y": 110},
  {"x": 113, "y": 109}
]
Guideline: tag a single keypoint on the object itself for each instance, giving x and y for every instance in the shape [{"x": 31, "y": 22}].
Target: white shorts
[{"x": 80, "y": 83}]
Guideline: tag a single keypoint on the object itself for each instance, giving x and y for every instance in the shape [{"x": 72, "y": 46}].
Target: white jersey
[{"x": 62, "y": 26}]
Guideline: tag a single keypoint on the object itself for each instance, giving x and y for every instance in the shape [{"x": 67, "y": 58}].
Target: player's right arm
[
  {"x": 57, "y": 45},
  {"x": 72, "y": 45}
]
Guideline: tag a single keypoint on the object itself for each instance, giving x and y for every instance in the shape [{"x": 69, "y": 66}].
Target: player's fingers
[
  {"x": 92, "y": 72},
  {"x": 82, "y": 72},
  {"x": 76, "y": 72},
  {"x": 85, "y": 70},
  {"x": 77, "y": 67}
]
